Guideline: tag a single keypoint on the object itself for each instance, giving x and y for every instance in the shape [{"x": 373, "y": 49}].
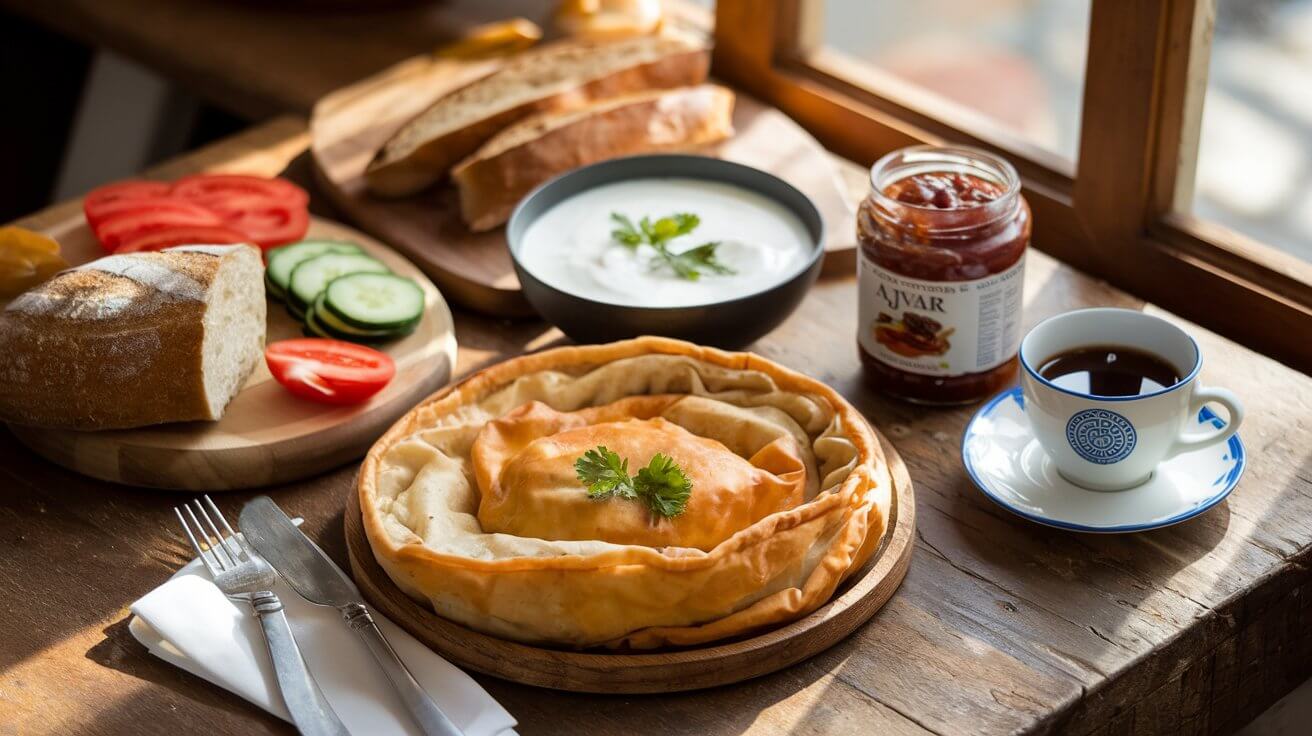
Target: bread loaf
[
  {"x": 560, "y": 76},
  {"x": 131, "y": 340},
  {"x": 537, "y": 148}
]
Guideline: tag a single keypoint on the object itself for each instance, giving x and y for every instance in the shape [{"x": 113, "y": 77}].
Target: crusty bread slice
[
  {"x": 519, "y": 158},
  {"x": 136, "y": 339},
  {"x": 559, "y": 76}
]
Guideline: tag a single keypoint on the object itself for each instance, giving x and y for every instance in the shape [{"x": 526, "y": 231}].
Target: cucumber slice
[
  {"x": 323, "y": 323},
  {"x": 273, "y": 290},
  {"x": 330, "y": 323},
  {"x": 282, "y": 261},
  {"x": 373, "y": 302},
  {"x": 312, "y": 328},
  {"x": 313, "y": 275}
]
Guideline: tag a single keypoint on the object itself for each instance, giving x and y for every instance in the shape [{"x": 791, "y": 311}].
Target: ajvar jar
[{"x": 942, "y": 241}]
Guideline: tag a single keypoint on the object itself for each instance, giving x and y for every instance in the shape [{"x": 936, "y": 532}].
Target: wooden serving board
[
  {"x": 660, "y": 671},
  {"x": 266, "y": 435},
  {"x": 474, "y": 269}
]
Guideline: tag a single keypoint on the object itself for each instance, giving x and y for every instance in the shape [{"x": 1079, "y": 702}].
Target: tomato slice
[
  {"x": 271, "y": 224},
  {"x": 182, "y": 235},
  {"x": 214, "y": 190},
  {"x": 271, "y": 211},
  {"x": 94, "y": 204},
  {"x": 329, "y": 371},
  {"x": 266, "y": 211},
  {"x": 131, "y": 222}
]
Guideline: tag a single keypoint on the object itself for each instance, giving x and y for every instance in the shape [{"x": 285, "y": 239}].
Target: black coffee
[{"x": 1109, "y": 370}]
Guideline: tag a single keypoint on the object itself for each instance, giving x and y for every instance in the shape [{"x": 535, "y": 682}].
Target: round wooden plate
[
  {"x": 474, "y": 269},
  {"x": 266, "y": 435},
  {"x": 659, "y": 671}
]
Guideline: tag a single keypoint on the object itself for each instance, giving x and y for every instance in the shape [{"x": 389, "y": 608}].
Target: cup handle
[{"x": 1192, "y": 440}]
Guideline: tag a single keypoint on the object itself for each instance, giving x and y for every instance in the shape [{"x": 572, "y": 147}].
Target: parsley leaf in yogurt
[{"x": 688, "y": 264}]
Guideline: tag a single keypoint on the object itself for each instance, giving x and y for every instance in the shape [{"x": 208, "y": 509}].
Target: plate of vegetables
[{"x": 356, "y": 335}]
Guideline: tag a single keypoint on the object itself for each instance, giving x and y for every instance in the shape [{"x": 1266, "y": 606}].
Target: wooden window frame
[{"x": 1118, "y": 214}]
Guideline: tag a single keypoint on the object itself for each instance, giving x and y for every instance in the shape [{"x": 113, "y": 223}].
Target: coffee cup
[{"x": 1109, "y": 443}]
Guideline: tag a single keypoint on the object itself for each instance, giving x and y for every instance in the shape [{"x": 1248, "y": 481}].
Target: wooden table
[{"x": 1002, "y": 626}]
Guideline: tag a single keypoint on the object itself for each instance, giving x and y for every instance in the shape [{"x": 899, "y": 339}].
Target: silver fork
[{"x": 242, "y": 575}]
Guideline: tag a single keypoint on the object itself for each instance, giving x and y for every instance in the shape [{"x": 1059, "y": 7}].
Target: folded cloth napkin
[{"x": 189, "y": 623}]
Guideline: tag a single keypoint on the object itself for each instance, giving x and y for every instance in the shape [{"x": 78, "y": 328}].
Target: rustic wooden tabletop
[{"x": 1002, "y": 626}]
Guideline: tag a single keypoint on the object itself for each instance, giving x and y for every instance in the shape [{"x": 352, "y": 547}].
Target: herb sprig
[
  {"x": 661, "y": 485},
  {"x": 689, "y": 264}
]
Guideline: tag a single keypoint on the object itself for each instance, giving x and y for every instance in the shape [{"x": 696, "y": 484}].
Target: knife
[{"x": 312, "y": 574}]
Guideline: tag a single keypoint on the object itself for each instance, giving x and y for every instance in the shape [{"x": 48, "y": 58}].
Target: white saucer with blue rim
[{"x": 1006, "y": 462}]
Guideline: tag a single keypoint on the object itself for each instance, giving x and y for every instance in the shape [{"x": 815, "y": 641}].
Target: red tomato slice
[
  {"x": 130, "y": 222},
  {"x": 182, "y": 235},
  {"x": 329, "y": 371},
  {"x": 270, "y": 224},
  {"x": 93, "y": 205},
  {"x": 213, "y": 190}
]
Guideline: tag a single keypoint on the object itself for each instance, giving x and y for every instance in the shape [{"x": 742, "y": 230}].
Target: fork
[{"x": 242, "y": 575}]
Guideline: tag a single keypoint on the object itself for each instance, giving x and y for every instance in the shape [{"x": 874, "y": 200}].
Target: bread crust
[
  {"x": 399, "y": 170},
  {"x": 497, "y": 176},
  {"x": 94, "y": 349}
]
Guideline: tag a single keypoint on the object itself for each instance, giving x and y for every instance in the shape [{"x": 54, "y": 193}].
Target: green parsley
[
  {"x": 662, "y": 485},
  {"x": 688, "y": 264}
]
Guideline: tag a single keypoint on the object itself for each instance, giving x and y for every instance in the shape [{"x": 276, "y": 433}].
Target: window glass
[
  {"x": 1018, "y": 62},
  {"x": 1254, "y": 171}
]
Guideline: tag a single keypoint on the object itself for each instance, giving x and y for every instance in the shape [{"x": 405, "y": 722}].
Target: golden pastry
[
  {"x": 476, "y": 501},
  {"x": 490, "y": 40},
  {"x": 603, "y": 19},
  {"x": 27, "y": 258}
]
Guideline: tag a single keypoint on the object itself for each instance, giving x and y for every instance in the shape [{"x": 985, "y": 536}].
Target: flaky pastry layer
[{"x": 420, "y": 496}]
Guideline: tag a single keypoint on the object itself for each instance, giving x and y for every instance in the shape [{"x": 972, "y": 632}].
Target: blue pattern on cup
[{"x": 1101, "y": 436}]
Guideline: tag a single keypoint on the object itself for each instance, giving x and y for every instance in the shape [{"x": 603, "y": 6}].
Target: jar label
[{"x": 939, "y": 328}]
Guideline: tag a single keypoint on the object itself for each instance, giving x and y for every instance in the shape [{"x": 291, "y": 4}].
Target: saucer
[{"x": 1005, "y": 460}]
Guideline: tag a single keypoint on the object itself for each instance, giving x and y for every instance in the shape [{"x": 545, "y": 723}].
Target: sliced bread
[
  {"x": 134, "y": 339},
  {"x": 519, "y": 158},
  {"x": 559, "y": 76}
]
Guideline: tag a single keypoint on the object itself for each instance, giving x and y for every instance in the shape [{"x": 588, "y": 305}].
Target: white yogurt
[{"x": 570, "y": 246}]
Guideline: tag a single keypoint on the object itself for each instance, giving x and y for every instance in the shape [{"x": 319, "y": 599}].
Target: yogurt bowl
[{"x": 726, "y": 252}]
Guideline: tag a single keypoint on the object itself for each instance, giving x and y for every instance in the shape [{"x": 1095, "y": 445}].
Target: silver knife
[{"x": 309, "y": 572}]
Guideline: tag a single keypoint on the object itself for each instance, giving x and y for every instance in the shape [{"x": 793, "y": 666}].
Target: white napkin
[{"x": 189, "y": 623}]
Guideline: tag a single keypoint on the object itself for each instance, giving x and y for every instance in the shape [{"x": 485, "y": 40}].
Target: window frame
[{"x": 1115, "y": 214}]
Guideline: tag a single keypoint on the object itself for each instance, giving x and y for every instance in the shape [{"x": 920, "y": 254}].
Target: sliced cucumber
[
  {"x": 313, "y": 275},
  {"x": 323, "y": 323},
  {"x": 282, "y": 261},
  {"x": 373, "y": 302},
  {"x": 274, "y": 291},
  {"x": 296, "y": 312},
  {"x": 312, "y": 328},
  {"x": 329, "y": 322}
]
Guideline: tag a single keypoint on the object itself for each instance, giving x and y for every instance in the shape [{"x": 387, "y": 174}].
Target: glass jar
[{"x": 942, "y": 241}]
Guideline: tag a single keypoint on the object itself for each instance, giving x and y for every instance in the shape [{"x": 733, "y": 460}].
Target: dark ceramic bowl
[{"x": 732, "y": 323}]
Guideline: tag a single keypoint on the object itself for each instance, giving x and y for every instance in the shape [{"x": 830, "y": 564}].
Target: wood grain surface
[
  {"x": 474, "y": 269},
  {"x": 666, "y": 671},
  {"x": 266, "y": 435},
  {"x": 1000, "y": 627}
]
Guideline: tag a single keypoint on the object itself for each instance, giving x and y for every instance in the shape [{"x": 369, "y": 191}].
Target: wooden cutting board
[
  {"x": 266, "y": 435},
  {"x": 474, "y": 269},
  {"x": 660, "y": 671}
]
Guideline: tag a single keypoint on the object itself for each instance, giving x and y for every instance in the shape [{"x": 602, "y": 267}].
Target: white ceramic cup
[{"x": 1109, "y": 443}]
